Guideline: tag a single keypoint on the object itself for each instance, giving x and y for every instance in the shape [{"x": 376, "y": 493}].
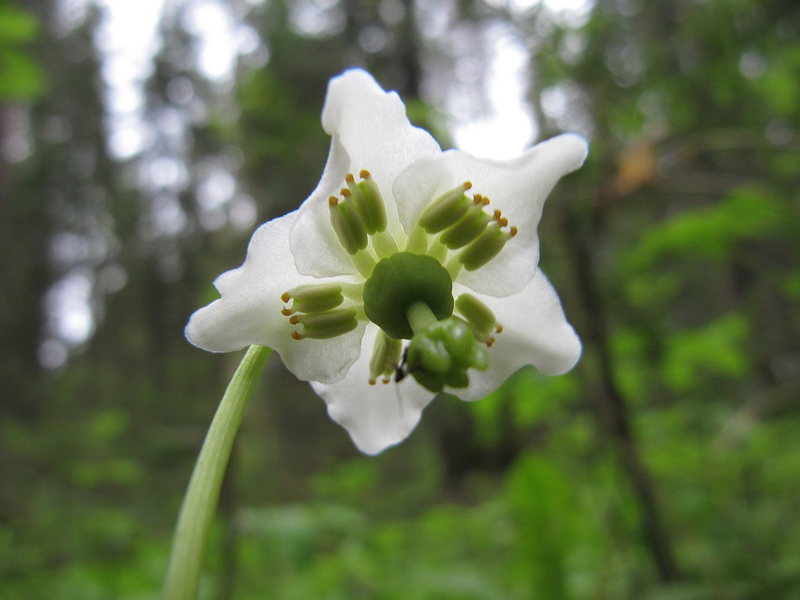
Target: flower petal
[
  {"x": 517, "y": 187},
  {"x": 375, "y": 416},
  {"x": 535, "y": 332},
  {"x": 370, "y": 130},
  {"x": 249, "y": 310}
]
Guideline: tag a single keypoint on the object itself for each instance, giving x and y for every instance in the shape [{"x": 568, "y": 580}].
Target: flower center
[
  {"x": 408, "y": 293},
  {"x": 400, "y": 281}
]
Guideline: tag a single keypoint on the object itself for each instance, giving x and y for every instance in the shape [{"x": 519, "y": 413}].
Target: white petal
[
  {"x": 376, "y": 416},
  {"x": 535, "y": 332},
  {"x": 370, "y": 130},
  {"x": 517, "y": 187},
  {"x": 249, "y": 310}
]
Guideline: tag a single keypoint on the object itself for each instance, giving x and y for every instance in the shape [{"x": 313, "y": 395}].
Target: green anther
[
  {"x": 327, "y": 325},
  {"x": 470, "y": 226},
  {"x": 368, "y": 202},
  {"x": 386, "y": 355},
  {"x": 401, "y": 280},
  {"x": 348, "y": 225},
  {"x": 446, "y": 210},
  {"x": 483, "y": 249},
  {"x": 315, "y": 298},
  {"x": 477, "y": 314}
]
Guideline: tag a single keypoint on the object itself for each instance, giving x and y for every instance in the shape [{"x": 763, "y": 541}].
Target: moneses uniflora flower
[{"x": 407, "y": 272}]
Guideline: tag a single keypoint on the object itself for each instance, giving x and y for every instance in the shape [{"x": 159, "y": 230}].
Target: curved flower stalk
[{"x": 407, "y": 272}]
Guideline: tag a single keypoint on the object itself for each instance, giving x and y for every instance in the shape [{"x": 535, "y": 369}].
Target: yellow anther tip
[
  {"x": 296, "y": 336},
  {"x": 345, "y": 192},
  {"x": 467, "y": 185},
  {"x": 294, "y": 320},
  {"x": 490, "y": 342},
  {"x": 513, "y": 231},
  {"x": 502, "y": 221},
  {"x": 350, "y": 178},
  {"x": 386, "y": 381},
  {"x": 333, "y": 201},
  {"x": 372, "y": 382},
  {"x": 364, "y": 174},
  {"x": 285, "y": 296},
  {"x": 287, "y": 312},
  {"x": 499, "y": 329},
  {"x": 497, "y": 214}
]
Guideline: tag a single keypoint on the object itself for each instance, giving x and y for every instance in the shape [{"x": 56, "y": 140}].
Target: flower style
[{"x": 408, "y": 271}]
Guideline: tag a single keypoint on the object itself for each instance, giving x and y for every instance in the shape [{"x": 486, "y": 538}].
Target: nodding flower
[{"x": 408, "y": 271}]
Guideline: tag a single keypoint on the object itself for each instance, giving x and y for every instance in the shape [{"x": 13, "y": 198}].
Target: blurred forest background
[{"x": 666, "y": 466}]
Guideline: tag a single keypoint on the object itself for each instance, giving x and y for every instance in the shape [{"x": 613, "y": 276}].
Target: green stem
[
  {"x": 420, "y": 317},
  {"x": 200, "y": 501}
]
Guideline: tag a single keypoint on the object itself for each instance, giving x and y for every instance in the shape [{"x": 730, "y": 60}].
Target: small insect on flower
[{"x": 407, "y": 263}]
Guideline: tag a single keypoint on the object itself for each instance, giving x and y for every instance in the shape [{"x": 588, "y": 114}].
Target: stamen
[
  {"x": 348, "y": 226},
  {"x": 470, "y": 226},
  {"x": 386, "y": 354},
  {"x": 367, "y": 201},
  {"x": 477, "y": 315},
  {"x": 326, "y": 325},
  {"x": 446, "y": 210},
  {"x": 313, "y": 298},
  {"x": 485, "y": 247}
]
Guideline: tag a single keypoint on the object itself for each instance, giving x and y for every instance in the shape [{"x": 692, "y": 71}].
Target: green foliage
[{"x": 22, "y": 78}]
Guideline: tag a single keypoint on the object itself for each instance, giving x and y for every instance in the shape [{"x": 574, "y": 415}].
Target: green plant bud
[
  {"x": 470, "y": 226},
  {"x": 348, "y": 226},
  {"x": 484, "y": 248},
  {"x": 314, "y": 298},
  {"x": 326, "y": 325},
  {"x": 446, "y": 210}
]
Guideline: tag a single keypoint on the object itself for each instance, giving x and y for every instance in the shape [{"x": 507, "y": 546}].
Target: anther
[
  {"x": 386, "y": 354},
  {"x": 513, "y": 231},
  {"x": 446, "y": 210},
  {"x": 313, "y": 298},
  {"x": 286, "y": 311},
  {"x": 490, "y": 342},
  {"x": 296, "y": 336},
  {"x": 348, "y": 226},
  {"x": 367, "y": 201},
  {"x": 469, "y": 227},
  {"x": 485, "y": 247},
  {"x": 478, "y": 316},
  {"x": 328, "y": 324}
]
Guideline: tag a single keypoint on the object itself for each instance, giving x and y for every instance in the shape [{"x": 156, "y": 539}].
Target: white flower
[{"x": 438, "y": 248}]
